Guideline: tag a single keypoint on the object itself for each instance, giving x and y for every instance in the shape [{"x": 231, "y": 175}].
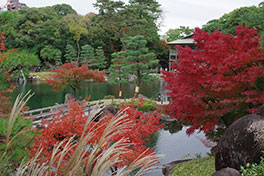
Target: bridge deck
[{"x": 45, "y": 113}]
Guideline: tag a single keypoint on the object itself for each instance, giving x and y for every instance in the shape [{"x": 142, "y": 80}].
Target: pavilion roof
[{"x": 187, "y": 40}]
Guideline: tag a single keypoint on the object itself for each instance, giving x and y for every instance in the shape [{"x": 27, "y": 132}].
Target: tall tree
[
  {"x": 251, "y": 16},
  {"x": 70, "y": 54},
  {"x": 77, "y": 26},
  {"x": 63, "y": 9},
  {"x": 19, "y": 60},
  {"x": 50, "y": 54},
  {"x": 126, "y": 20},
  {"x": 118, "y": 75},
  {"x": 100, "y": 62},
  {"x": 142, "y": 19},
  {"x": 219, "y": 82},
  {"x": 87, "y": 54},
  {"x": 139, "y": 61}
]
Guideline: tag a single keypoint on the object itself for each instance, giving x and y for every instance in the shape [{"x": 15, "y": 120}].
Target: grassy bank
[
  {"x": 41, "y": 75},
  {"x": 196, "y": 167}
]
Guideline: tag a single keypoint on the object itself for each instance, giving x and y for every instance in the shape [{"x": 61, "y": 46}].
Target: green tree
[
  {"x": 121, "y": 20},
  {"x": 142, "y": 19},
  {"x": 63, "y": 9},
  {"x": 70, "y": 53},
  {"x": 50, "y": 54},
  {"x": 139, "y": 61},
  {"x": 118, "y": 75},
  {"x": 77, "y": 26},
  {"x": 87, "y": 55},
  {"x": 100, "y": 62},
  {"x": 174, "y": 34},
  {"x": 35, "y": 28},
  {"x": 16, "y": 62},
  {"x": 251, "y": 16}
]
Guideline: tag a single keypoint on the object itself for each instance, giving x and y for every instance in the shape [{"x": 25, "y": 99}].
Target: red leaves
[
  {"x": 224, "y": 76},
  {"x": 72, "y": 75},
  {"x": 63, "y": 127},
  {"x": 2, "y": 41}
]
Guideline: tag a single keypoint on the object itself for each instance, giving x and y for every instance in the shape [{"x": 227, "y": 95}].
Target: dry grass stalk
[
  {"x": 99, "y": 161},
  {"x": 17, "y": 107}
]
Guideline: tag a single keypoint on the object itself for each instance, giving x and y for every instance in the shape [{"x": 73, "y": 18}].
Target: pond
[
  {"x": 171, "y": 141},
  {"x": 44, "y": 95}
]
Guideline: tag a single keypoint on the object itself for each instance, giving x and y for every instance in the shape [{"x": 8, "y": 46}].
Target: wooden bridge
[{"x": 46, "y": 113}]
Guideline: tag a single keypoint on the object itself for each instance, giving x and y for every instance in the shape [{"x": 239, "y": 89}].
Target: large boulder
[{"x": 242, "y": 142}]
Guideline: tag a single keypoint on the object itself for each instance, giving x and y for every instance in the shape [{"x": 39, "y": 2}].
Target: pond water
[
  {"x": 44, "y": 95},
  {"x": 171, "y": 141}
]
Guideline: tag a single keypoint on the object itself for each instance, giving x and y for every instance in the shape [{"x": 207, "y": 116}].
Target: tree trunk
[
  {"x": 78, "y": 52},
  {"x": 120, "y": 91},
  {"x": 138, "y": 84},
  {"x": 74, "y": 91}
]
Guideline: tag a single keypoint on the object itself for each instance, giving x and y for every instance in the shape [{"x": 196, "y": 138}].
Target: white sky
[{"x": 192, "y": 13}]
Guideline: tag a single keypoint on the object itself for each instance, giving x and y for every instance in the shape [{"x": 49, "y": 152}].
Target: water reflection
[
  {"x": 172, "y": 127},
  {"x": 45, "y": 96}
]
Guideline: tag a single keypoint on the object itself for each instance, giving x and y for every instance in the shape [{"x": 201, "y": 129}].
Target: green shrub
[
  {"x": 147, "y": 106},
  {"x": 253, "y": 169}
]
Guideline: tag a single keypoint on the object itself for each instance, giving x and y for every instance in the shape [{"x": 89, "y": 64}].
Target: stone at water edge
[
  {"x": 227, "y": 172},
  {"x": 242, "y": 142}
]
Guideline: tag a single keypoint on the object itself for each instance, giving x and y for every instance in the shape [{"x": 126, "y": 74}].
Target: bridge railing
[{"x": 41, "y": 113}]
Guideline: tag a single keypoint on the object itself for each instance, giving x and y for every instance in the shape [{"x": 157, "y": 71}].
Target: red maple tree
[
  {"x": 70, "y": 74},
  {"x": 63, "y": 127},
  {"x": 219, "y": 82}
]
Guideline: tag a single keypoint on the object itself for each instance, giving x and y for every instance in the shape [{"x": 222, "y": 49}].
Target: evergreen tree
[
  {"x": 143, "y": 15},
  {"x": 70, "y": 53},
  {"x": 57, "y": 58},
  {"x": 118, "y": 75},
  {"x": 139, "y": 61},
  {"x": 100, "y": 61},
  {"x": 87, "y": 54}
]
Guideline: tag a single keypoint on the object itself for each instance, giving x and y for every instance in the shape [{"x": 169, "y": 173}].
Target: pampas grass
[
  {"x": 17, "y": 107},
  {"x": 101, "y": 160}
]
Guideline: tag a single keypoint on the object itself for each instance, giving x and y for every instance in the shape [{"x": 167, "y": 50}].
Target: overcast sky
[{"x": 192, "y": 13}]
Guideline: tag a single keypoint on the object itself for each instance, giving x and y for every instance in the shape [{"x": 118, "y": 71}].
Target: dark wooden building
[{"x": 185, "y": 41}]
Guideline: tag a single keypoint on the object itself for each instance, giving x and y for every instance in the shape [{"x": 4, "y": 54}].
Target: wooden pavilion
[{"x": 185, "y": 41}]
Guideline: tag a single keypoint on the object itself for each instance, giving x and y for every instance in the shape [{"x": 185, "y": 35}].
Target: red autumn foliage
[
  {"x": 63, "y": 127},
  {"x": 6, "y": 104},
  {"x": 5, "y": 94},
  {"x": 2, "y": 41},
  {"x": 220, "y": 81},
  {"x": 70, "y": 74}
]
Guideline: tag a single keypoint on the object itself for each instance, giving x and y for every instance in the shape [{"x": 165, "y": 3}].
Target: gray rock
[
  {"x": 68, "y": 98},
  {"x": 112, "y": 109},
  {"x": 242, "y": 142},
  {"x": 227, "y": 172}
]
